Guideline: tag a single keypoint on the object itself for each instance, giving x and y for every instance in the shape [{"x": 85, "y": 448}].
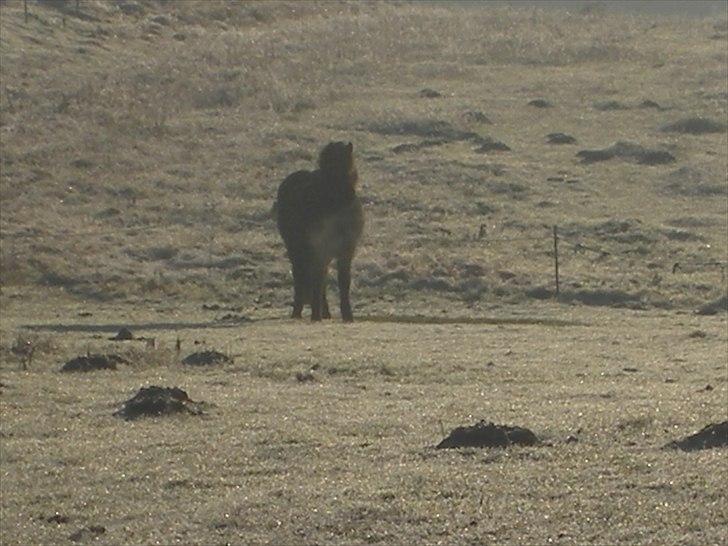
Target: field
[{"x": 142, "y": 145}]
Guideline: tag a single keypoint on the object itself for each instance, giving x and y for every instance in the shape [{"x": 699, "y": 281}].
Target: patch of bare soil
[
  {"x": 157, "y": 401},
  {"x": 714, "y": 307},
  {"x": 627, "y": 151},
  {"x": 713, "y": 435},
  {"x": 86, "y": 534},
  {"x": 89, "y": 363},
  {"x": 560, "y": 138},
  {"x": 540, "y": 103},
  {"x": 693, "y": 182},
  {"x": 694, "y": 126},
  {"x": 485, "y": 434},
  {"x": 489, "y": 144},
  {"x": 206, "y": 358},
  {"x": 610, "y": 105},
  {"x": 123, "y": 335}
]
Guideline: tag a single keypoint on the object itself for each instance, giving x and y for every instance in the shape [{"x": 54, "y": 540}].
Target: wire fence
[{"x": 559, "y": 241}]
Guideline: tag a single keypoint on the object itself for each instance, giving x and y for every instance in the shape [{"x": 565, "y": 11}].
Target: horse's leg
[{"x": 343, "y": 266}]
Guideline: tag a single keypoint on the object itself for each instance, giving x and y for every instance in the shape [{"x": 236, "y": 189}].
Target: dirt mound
[
  {"x": 628, "y": 151},
  {"x": 89, "y": 363},
  {"x": 428, "y": 93},
  {"x": 476, "y": 116},
  {"x": 432, "y": 130},
  {"x": 156, "y": 401},
  {"x": 206, "y": 358},
  {"x": 713, "y": 435},
  {"x": 414, "y": 147},
  {"x": 610, "y": 105},
  {"x": 714, "y": 307},
  {"x": 540, "y": 103},
  {"x": 560, "y": 138},
  {"x": 693, "y": 182},
  {"x": 647, "y": 103},
  {"x": 484, "y": 434},
  {"x": 694, "y": 126},
  {"x": 123, "y": 335},
  {"x": 87, "y": 534},
  {"x": 488, "y": 144}
]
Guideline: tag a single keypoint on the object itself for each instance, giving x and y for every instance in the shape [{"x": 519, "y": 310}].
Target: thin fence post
[
  {"x": 25, "y": 10},
  {"x": 556, "y": 259}
]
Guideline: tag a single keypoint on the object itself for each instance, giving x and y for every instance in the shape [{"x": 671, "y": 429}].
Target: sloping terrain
[{"x": 143, "y": 143}]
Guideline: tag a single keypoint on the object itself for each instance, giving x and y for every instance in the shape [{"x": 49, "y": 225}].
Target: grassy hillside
[{"x": 143, "y": 141}]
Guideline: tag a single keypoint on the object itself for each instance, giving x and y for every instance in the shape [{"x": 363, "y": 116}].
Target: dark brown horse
[{"x": 320, "y": 219}]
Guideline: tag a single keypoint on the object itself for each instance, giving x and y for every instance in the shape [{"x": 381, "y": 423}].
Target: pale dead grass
[{"x": 158, "y": 141}]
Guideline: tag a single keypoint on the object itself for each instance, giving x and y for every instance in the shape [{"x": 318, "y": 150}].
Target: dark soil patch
[
  {"x": 512, "y": 189},
  {"x": 477, "y": 117},
  {"x": 428, "y": 93},
  {"x": 414, "y": 147},
  {"x": 157, "y": 401},
  {"x": 711, "y": 436},
  {"x": 488, "y": 144},
  {"x": 628, "y": 151},
  {"x": 694, "y": 182},
  {"x": 610, "y": 105},
  {"x": 694, "y": 126},
  {"x": 234, "y": 318},
  {"x": 87, "y": 534},
  {"x": 89, "y": 363},
  {"x": 484, "y": 434},
  {"x": 305, "y": 377},
  {"x": 540, "y": 103},
  {"x": 206, "y": 358},
  {"x": 123, "y": 335},
  {"x": 601, "y": 297},
  {"x": 714, "y": 307},
  {"x": 560, "y": 138},
  {"x": 651, "y": 104},
  {"x": 426, "y": 128},
  {"x": 58, "y": 519}
]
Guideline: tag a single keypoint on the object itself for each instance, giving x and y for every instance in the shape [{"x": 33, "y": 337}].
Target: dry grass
[
  {"x": 141, "y": 150},
  {"x": 171, "y": 128},
  {"x": 347, "y": 457}
]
